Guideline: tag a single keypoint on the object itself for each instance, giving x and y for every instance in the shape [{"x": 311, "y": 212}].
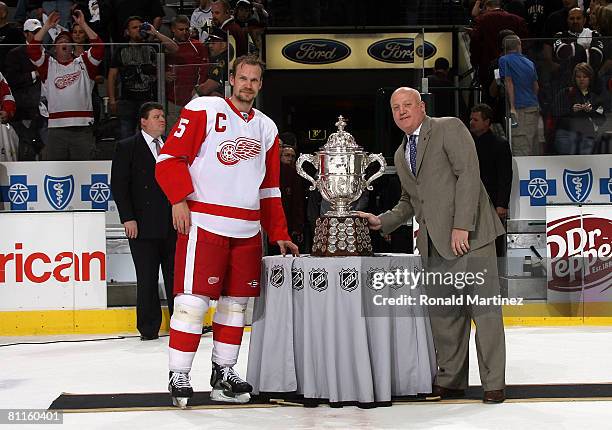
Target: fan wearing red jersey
[{"x": 220, "y": 170}]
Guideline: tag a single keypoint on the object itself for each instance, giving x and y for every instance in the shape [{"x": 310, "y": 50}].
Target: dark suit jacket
[
  {"x": 446, "y": 192},
  {"x": 495, "y": 160},
  {"x": 136, "y": 192}
]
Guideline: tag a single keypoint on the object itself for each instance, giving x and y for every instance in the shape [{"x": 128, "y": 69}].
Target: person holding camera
[
  {"x": 68, "y": 82},
  {"x": 135, "y": 65}
]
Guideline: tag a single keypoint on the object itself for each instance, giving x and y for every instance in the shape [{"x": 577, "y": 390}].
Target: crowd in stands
[
  {"x": 74, "y": 73},
  {"x": 89, "y": 65},
  {"x": 546, "y": 65}
]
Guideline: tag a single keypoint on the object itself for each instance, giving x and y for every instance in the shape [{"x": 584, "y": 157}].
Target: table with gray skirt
[{"x": 318, "y": 332}]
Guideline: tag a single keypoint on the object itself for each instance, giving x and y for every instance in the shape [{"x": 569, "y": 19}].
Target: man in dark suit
[
  {"x": 438, "y": 170},
  {"x": 495, "y": 161},
  {"x": 146, "y": 215}
]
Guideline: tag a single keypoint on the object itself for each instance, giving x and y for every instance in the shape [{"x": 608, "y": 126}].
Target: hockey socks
[
  {"x": 228, "y": 325},
  {"x": 186, "y": 330}
]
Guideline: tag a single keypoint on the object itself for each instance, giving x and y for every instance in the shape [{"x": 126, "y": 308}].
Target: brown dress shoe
[
  {"x": 494, "y": 396},
  {"x": 447, "y": 393}
]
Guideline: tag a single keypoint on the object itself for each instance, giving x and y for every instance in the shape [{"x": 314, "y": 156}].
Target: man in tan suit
[{"x": 438, "y": 169}]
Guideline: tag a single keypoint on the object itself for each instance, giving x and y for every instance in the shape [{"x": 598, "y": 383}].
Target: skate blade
[
  {"x": 180, "y": 402},
  {"x": 220, "y": 396}
]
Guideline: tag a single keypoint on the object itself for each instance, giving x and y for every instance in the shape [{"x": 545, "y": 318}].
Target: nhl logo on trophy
[{"x": 340, "y": 178}]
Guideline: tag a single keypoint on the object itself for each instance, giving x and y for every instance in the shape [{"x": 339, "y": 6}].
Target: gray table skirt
[{"x": 310, "y": 335}]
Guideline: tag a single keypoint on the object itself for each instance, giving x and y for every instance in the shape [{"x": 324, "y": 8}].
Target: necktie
[
  {"x": 157, "y": 145},
  {"x": 412, "y": 147}
]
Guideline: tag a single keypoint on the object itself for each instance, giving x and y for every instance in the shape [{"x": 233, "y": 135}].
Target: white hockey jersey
[
  {"x": 227, "y": 167},
  {"x": 68, "y": 86}
]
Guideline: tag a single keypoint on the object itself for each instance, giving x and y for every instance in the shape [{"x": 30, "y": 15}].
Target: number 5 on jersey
[{"x": 181, "y": 127}]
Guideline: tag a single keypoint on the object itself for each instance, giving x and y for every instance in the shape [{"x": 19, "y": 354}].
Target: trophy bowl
[{"x": 341, "y": 165}]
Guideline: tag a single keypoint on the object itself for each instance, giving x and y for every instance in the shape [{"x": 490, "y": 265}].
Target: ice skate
[
  {"x": 180, "y": 389},
  {"x": 228, "y": 386}
]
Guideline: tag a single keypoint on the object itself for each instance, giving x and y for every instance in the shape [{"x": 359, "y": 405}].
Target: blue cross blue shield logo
[
  {"x": 605, "y": 186},
  {"x": 98, "y": 193},
  {"x": 19, "y": 193},
  {"x": 59, "y": 190},
  {"x": 578, "y": 184},
  {"x": 538, "y": 187}
]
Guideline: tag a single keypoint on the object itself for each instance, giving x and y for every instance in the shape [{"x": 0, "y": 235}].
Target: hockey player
[{"x": 220, "y": 170}]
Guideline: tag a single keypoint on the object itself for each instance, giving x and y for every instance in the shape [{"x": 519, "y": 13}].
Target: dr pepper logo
[{"x": 580, "y": 250}]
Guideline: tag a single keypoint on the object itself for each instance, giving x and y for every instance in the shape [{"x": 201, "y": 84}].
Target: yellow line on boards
[{"x": 123, "y": 320}]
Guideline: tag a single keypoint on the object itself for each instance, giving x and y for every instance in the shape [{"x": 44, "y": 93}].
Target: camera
[{"x": 144, "y": 28}]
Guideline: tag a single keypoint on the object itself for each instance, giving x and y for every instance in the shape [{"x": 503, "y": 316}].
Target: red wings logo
[
  {"x": 62, "y": 82},
  {"x": 230, "y": 153}
]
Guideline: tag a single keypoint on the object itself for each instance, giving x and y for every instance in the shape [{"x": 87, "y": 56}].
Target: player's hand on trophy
[
  {"x": 181, "y": 217},
  {"x": 374, "y": 222},
  {"x": 287, "y": 245}
]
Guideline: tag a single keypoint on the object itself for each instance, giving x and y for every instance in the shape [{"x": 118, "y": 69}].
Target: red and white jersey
[
  {"x": 68, "y": 86},
  {"x": 227, "y": 167},
  {"x": 7, "y": 101}
]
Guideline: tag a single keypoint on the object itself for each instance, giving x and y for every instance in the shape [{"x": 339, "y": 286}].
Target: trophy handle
[
  {"x": 298, "y": 165},
  {"x": 383, "y": 164}
]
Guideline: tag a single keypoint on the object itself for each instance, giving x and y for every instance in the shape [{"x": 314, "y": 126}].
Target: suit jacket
[
  {"x": 136, "y": 192},
  {"x": 495, "y": 161},
  {"x": 447, "y": 191}
]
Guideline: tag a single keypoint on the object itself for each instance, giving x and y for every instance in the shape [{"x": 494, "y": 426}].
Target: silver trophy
[{"x": 340, "y": 178}]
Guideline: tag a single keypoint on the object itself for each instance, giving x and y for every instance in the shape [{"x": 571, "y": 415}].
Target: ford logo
[
  {"x": 399, "y": 50},
  {"x": 316, "y": 51}
]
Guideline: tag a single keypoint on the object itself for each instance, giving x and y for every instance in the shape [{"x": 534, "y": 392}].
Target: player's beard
[{"x": 245, "y": 97}]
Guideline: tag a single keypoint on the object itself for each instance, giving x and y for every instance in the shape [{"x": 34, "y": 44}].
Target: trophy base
[{"x": 343, "y": 236}]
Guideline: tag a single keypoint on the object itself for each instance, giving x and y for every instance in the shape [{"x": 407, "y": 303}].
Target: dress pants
[
  {"x": 451, "y": 324},
  {"x": 148, "y": 255}
]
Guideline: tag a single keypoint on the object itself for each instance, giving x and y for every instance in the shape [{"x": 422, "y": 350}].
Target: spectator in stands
[
  {"x": 577, "y": 44},
  {"x": 443, "y": 98},
  {"x": 495, "y": 161},
  {"x": 97, "y": 14},
  {"x": 537, "y": 13},
  {"x": 521, "y": 80},
  {"x": 214, "y": 85},
  {"x": 10, "y": 37},
  {"x": 201, "y": 19},
  {"x": 150, "y": 11},
  {"x": 579, "y": 111},
  {"x": 136, "y": 66},
  {"x": 26, "y": 9},
  {"x": 260, "y": 13},
  {"x": 494, "y": 92},
  {"x": 245, "y": 18},
  {"x": 146, "y": 215},
  {"x": 7, "y": 101},
  {"x": 186, "y": 68},
  {"x": 292, "y": 194},
  {"x": 483, "y": 47},
  {"x": 557, "y": 20},
  {"x": 68, "y": 83},
  {"x": 223, "y": 20},
  {"x": 23, "y": 78}
]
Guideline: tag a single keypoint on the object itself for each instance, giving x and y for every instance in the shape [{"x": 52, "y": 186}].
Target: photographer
[{"x": 136, "y": 65}]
